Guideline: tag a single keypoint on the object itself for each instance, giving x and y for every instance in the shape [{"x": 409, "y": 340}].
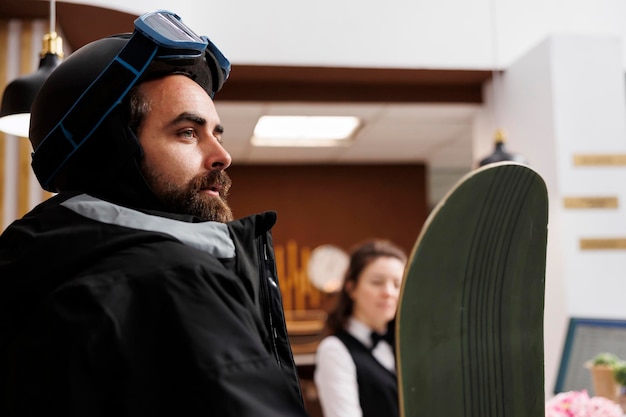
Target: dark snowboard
[{"x": 470, "y": 321}]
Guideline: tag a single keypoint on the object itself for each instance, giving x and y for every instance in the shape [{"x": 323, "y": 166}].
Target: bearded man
[{"x": 133, "y": 291}]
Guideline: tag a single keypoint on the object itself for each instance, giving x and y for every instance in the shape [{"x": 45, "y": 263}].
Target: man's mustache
[{"x": 218, "y": 179}]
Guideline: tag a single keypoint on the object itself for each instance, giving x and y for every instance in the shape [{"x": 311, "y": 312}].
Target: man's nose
[{"x": 218, "y": 157}]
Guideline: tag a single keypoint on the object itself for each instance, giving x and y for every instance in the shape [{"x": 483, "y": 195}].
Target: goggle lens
[{"x": 173, "y": 28}]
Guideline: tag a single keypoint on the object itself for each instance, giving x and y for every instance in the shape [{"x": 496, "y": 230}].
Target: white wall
[
  {"x": 565, "y": 97},
  {"x": 394, "y": 33}
]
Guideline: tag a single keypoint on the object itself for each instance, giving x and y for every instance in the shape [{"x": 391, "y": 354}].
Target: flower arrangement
[
  {"x": 605, "y": 358},
  {"x": 617, "y": 366},
  {"x": 579, "y": 404},
  {"x": 608, "y": 374},
  {"x": 619, "y": 372}
]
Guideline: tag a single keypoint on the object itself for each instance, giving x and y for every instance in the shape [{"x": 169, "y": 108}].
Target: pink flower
[{"x": 579, "y": 404}]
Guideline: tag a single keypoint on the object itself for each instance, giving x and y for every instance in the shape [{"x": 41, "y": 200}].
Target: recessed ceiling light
[{"x": 311, "y": 131}]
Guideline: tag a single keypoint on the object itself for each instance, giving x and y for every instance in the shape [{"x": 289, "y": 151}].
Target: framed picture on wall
[{"x": 585, "y": 339}]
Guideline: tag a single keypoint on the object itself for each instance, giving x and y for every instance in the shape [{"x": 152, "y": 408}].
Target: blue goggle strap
[
  {"x": 80, "y": 121},
  {"x": 222, "y": 61}
]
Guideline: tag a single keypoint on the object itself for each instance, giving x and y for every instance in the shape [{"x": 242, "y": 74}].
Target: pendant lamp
[
  {"x": 500, "y": 153},
  {"x": 19, "y": 94}
]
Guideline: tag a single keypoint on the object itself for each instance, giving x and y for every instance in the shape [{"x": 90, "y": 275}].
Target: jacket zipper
[{"x": 265, "y": 296}]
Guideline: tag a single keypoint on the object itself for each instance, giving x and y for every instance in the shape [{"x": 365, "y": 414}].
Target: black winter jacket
[{"x": 107, "y": 311}]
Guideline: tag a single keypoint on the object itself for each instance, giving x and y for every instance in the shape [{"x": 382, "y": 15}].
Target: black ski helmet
[{"x": 110, "y": 147}]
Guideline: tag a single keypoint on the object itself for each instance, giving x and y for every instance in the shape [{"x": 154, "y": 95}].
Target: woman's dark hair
[{"x": 360, "y": 257}]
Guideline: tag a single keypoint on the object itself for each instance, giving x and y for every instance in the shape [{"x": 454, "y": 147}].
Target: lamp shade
[{"x": 19, "y": 94}]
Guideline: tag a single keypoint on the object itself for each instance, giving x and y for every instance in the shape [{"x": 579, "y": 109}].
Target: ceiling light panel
[{"x": 305, "y": 131}]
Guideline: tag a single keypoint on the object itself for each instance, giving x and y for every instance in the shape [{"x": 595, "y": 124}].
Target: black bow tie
[{"x": 377, "y": 337}]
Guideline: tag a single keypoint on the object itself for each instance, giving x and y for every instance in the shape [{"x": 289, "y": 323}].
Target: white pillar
[{"x": 566, "y": 97}]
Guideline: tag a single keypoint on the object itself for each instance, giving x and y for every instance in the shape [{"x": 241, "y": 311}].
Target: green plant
[
  {"x": 605, "y": 358},
  {"x": 619, "y": 372}
]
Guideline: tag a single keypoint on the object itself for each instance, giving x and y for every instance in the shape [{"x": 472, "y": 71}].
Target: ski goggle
[{"x": 159, "y": 35}]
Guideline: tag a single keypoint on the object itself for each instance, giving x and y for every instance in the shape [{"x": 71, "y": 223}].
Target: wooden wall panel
[
  {"x": 17, "y": 180},
  {"x": 340, "y": 205},
  {"x": 4, "y": 41},
  {"x": 24, "y": 146}
]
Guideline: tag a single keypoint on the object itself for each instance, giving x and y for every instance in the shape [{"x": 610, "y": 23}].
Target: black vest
[{"x": 378, "y": 387}]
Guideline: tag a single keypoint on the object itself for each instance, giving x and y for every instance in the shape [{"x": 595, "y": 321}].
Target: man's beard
[{"x": 189, "y": 198}]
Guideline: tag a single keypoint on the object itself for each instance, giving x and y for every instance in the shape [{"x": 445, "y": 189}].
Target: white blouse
[{"x": 335, "y": 371}]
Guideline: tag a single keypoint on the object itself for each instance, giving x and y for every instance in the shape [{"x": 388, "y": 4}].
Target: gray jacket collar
[{"x": 211, "y": 237}]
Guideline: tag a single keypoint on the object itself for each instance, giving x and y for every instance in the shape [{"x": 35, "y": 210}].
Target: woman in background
[{"x": 355, "y": 373}]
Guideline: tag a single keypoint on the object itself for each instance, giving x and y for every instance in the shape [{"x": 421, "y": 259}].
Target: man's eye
[{"x": 187, "y": 134}]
